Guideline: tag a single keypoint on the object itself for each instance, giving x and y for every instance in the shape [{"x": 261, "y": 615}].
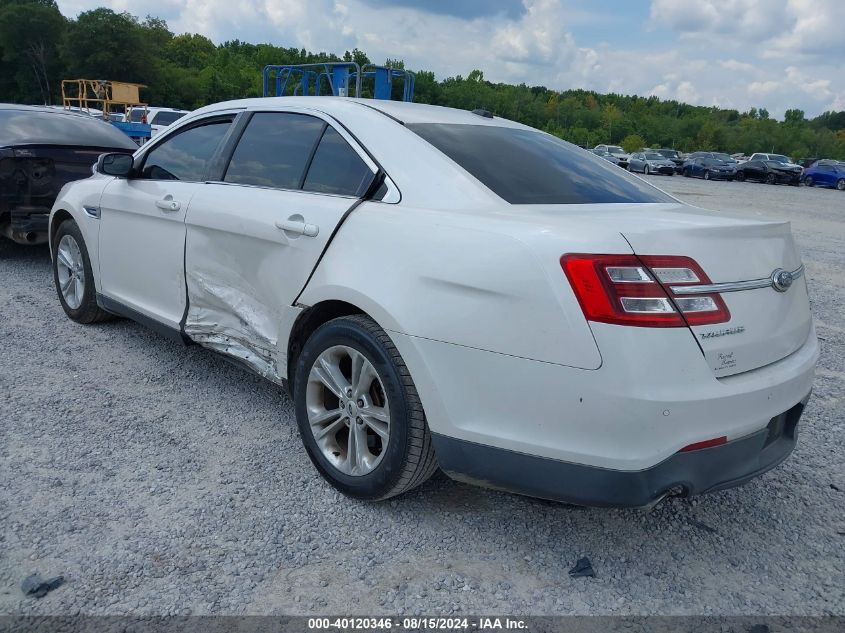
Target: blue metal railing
[{"x": 335, "y": 78}]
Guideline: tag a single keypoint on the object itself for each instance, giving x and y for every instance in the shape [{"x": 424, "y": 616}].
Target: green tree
[
  {"x": 609, "y": 116},
  {"x": 633, "y": 143},
  {"x": 29, "y": 32}
]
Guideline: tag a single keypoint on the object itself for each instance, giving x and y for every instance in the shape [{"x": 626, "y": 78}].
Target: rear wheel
[
  {"x": 73, "y": 277},
  {"x": 771, "y": 179},
  {"x": 706, "y": 175},
  {"x": 840, "y": 184},
  {"x": 358, "y": 411},
  {"x": 808, "y": 181},
  {"x": 740, "y": 176}
]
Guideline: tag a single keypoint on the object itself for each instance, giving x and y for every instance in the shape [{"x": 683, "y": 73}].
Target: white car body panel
[
  {"x": 152, "y": 283},
  {"x": 470, "y": 289}
]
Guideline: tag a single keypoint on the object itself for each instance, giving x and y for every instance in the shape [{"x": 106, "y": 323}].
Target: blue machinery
[{"x": 335, "y": 78}]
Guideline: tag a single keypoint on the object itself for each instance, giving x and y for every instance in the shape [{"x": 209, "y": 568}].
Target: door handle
[
  {"x": 298, "y": 227},
  {"x": 168, "y": 204}
]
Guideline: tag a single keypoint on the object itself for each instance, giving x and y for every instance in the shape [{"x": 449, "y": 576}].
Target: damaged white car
[{"x": 447, "y": 288}]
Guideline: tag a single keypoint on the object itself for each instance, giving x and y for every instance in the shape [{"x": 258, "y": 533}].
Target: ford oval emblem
[{"x": 782, "y": 280}]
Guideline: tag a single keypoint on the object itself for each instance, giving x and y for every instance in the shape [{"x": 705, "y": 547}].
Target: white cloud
[{"x": 744, "y": 53}]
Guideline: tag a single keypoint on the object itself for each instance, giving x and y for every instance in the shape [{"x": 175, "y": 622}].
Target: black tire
[
  {"x": 646, "y": 170},
  {"x": 771, "y": 179},
  {"x": 730, "y": 179},
  {"x": 706, "y": 175},
  {"x": 808, "y": 181},
  {"x": 408, "y": 458},
  {"x": 740, "y": 176},
  {"x": 88, "y": 310},
  {"x": 687, "y": 173},
  {"x": 840, "y": 184}
]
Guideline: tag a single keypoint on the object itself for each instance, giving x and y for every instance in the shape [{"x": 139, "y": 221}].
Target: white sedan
[{"x": 437, "y": 287}]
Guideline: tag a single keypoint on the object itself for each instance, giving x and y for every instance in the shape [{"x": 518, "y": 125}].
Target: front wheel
[
  {"x": 808, "y": 181},
  {"x": 686, "y": 173},
  {"x": 73, "y": 277},
  {"x": 646, "y": 170},
  {"x": 706, "y": 175},
  {"x": 358, "y": 411},
  {"x": 771, "y": 179},
  {"x": 740, "y": 176}
]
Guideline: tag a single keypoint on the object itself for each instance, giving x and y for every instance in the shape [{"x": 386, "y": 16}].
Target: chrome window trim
[{"x": 732, "y": 286}]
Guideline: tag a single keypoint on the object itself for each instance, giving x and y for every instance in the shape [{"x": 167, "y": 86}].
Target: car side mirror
[{"x": 120, "y": 165}]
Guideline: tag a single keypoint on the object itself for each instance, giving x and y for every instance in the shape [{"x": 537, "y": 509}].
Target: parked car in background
[
  {"x": 42, "y": 149},
  {"x": 157, "y": 118},
  {"x": 780, "y": 158},
  {"x": 616, "y": 151},
  {"x": 651, "y": 163},
  {"x": 769, "y": 171},
  {"x": 581, "y": 335},
  {"x": 606, "y": 155},
  {"x": 709, "y": 169},
  {"x": 725, "y": 158},
  {"x": 673, "y": 155},
  {"x": 825, "y": 173}
]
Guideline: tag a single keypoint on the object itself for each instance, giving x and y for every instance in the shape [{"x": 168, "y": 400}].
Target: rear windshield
[
  {"x": 528, "y": 167},
  {"x": 35, "y": 127}
]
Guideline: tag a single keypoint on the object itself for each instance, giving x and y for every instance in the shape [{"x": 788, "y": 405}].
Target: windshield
[
  {"x": 615, "y": 149},
  {"x": 725, "y": 158},
  {"x": 779, "y": 158},
  {"x": 668, "y": 153},
  {"x": 654, "y": 156},
  {"x": 136, "y": 114},
  {"x": 524, "y": 166}
]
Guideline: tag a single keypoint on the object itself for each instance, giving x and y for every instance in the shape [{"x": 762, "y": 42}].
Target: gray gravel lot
[{"x": 162, "y": 480}]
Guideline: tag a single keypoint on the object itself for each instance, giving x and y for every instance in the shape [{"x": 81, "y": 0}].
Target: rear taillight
[{"x": 635, "y": 290}]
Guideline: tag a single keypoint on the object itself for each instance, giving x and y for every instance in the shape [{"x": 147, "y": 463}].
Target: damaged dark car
[{"x": 41, "y": 150}]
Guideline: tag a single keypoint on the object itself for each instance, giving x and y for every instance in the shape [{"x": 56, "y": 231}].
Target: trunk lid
[{"x": 765, "y": 324}]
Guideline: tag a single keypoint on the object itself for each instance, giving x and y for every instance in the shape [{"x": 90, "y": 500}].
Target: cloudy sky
[{"x": 739, "y": 54}]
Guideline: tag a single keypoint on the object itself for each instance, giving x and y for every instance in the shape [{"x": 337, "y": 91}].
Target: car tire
[
  {"x": 740, "y": 176},
  {"x": 840, "y": 184},
  {"x": 646, "y": 170},
  {"x": 730, "y": 179},
  {"x": 706, "y": 175},
  {"x": 771, "y": 179},
  {"x": 73, "y": 276},
  {"x": 808, "y": 181},
  {"x": 383, "y": 413},
  {"x": 686, "y": 173}
]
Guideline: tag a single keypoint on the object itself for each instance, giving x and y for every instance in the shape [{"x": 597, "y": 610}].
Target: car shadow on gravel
[{"x": 13, "y": 252}]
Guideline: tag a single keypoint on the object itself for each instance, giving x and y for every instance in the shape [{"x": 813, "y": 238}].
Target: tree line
[{"x": 39, "y": 47}]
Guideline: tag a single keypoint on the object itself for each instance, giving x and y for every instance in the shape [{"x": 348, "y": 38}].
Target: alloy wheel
[
  {"x": 348, "y": 412},
  {"x": 840, "y": 184},
  {"x": 71, "y": 271}
]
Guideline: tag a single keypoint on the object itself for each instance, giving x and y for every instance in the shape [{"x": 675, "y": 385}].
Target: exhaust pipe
[{"x": 677, "y": 491}]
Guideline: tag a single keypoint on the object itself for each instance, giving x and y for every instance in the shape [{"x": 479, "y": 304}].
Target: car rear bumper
[
  {"x": 26, "y": 224},
  {"x": 683, "y": 474}
]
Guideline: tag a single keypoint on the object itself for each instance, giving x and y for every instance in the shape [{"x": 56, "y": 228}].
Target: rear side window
[
  {"x": 186, "y": 155},
  {"x": 274, "y": 150},
  {"x": 524, "y": 166},
  {"x": 166, "y": 117},
  {"x": 336, "y": 168}
]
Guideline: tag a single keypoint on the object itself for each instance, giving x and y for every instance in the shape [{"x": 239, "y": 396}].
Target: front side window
[
  {"x": 274, "y": 150},
  {"x": 186, "y": 155},
  {"x": 525, "y": 166},
  {"x": 166, "y": 117}
]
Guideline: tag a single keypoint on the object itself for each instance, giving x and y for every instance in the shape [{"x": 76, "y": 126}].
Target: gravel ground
[{"x": 162, "y": 480}]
